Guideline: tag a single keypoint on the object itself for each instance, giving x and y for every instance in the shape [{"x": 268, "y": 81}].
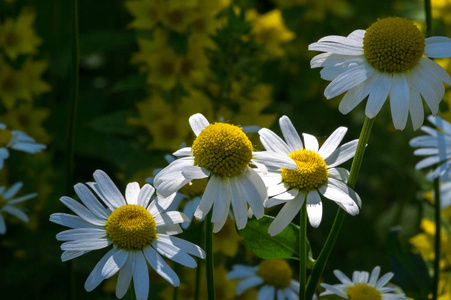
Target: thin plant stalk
[
  {"x": 198, "y": 273},
  {"x": 72, "y": 115},
  {"x": 437, "y": 208},
  {"x": 209, "y": 257},
  {"x": 428, "y": 16},
  {"x": 320, "y": 263},
  {"x": 303, "y": 250}
]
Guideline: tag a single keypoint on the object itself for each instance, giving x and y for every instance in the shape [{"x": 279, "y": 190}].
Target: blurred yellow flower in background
[
  {"x": 18, "y": 36},
  {"x": 145, "y": 13},
  {"x": 442, "y": 9},
  {"x": 32, "y": 71},
  {"x": 12, "y": 85},
  {"x": 318, "y": 10}
]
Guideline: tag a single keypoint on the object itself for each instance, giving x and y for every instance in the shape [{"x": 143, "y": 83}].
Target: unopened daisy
[
  {"x": 436, "y": 145},
  {"x": 16, "y": 140},
  {"x": 272, "y": 276},
  {"x": 363, "y": 286},
  {"x": 8, "y": 204},
  {"x": 316, "y": 174},
  {"x": 386, "y": 59},
  {"x": 222, "y": 152},
  {"x": 137, "y": 229}
]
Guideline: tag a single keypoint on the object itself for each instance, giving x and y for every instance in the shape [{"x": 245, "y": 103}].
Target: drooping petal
[
  {"x": 141, "y": 277},
  {"x": 342, "y": 154},
  {"x": 125, "y": 275},
  {"x": 167, "y": 249},
  {"x": 348, "y": 80},
  {"x": 286, "y": 215},
  {"x": 378, "y": 95},
  {"x": 399, "y": 101},
  {"x": 160, "y": 266},
  {"x": 314, "y": 208}
]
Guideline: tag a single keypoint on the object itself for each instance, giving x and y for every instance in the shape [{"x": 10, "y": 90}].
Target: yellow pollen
[
  {"x": 363, "y": 291},
  {"x": 5, "y": 137},
  {"x": 311, "y": 173},
  {"x": 131, "y": 227},
  {"x": 195, "y": 189},
  {"x": 275, "y": 272},
  {"x": 223, "y": 149},
  {"x": 393, "y": 45}
]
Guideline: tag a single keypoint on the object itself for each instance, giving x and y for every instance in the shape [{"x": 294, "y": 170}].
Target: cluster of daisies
[
  {"x": 386, "y": 60},
  {"x": 20, "y": 141}
]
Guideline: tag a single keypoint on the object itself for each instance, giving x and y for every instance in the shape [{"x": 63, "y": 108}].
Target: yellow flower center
[
  {"x": 311, "y": 172},
  {"x": 5, "y": 137},
  {"x": 363, "y": 291},
  {"x": 275, "y": 272},
  {"x": 196, "y": 188},
  {"x": 131, "y": 227},
  {"x": 223, "y": 149},
  {"x": 393, "y": 45}
]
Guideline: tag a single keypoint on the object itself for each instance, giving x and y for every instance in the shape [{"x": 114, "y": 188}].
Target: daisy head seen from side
[
  {"x": 363, "y": 286},
  {"x": 139, "y": 230},
  {"x": 316, "y": 174},
  {"x": 273, "y": 277},
  {"x": 436, "y": 148},
  {"x": 389, "y": 59},
  {"x": 222, "y": 153}
]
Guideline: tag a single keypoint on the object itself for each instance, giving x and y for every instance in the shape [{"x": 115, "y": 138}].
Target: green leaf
[{"x": 285, "y": 245}]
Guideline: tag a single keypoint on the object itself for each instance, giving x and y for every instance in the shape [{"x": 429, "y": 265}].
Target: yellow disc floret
[
  {"x": 363, "y": 291},
  {"x": 275, "y": 272},
  {"x": 393, "y": 45},
  {"x": 131, "y": 227},
  {"x": 311, "y": 172},
  {"x": 223, "y": 149},
  {"x": 5, "y": 137}
]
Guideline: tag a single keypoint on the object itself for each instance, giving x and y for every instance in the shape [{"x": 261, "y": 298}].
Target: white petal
[
  {"x": 267, "y": 292},
  {"x": 141, "y": 277},
  {"x": 239, "y": 204},
  {"x": 167, "y": 249},
  {"x": 144, "y": 195},
  {"x": 374, "y": 276},
  {"x": 194, "y": 172},
  {"x": 221, "y": 203},
  {"x": 132, "y": 192},
  {"x": 271, "y": 202},
  {"x": 339, "y": 174},
  {"x": 12, "y": 190},
  {"x": 378, "y": 94},
  {"x": 286, "y": 215},
  {"x": 170, "y": 217},
  {"x": 248, "y": 283},
  {"x": 311, "y": 143},
  {"x": 2, "y": 225},
  {"x": 198, "y": 122},
  {"x": 425, "y": 89},
  {"x": 416, "y": 108},
  {"x": 356, "y": 94},
  {"x": 109, "y": 189},
  {"x": 438, "y": 47},
  {"x": 16, "y": 211},
  {"x": 336, "y": 48},
  {"x": 440, "y": 123},
  {"x": 437, "y": 70},
  {"x": 254, "y": 191},
  {"x": 125, "y": 275},
  {"x": 342, "y": 277},
  {"x": 274, "y": 160},
  {"x": 95, "y": 277},
  {"x": 314, "y": 208},
  {"x": 342, "y": 40},
  {"x": 188, "y": 247},
  {"x": 82, "y": 211},
  {"x": 86, "y": 244},
  {"x": 272, "y": 142},
  {"x": 332, "y": 142},
  {"x": 187, "y": 151},
  {"x": 333, "y": 193},
  {"x": 286, "y": 196},
  {"x": 169, "y": 229},
  {"x": 80, "y": 234},
  {"x": 208, "y": 197},
  {"x": 68, "y": 255},
  {"x": 70, "y": 221},
  {"x": 342, "y": 154},
  {"x": 290, "y": 134},
  {"x": 170, "y": 179},
  {"x": 384, "y": 280},
  {"x": 399, "y": 101},
  {"x": 160, "y": 266},
  {"x": 348, "y": 80},
  {"x": 90, "y": 201}
]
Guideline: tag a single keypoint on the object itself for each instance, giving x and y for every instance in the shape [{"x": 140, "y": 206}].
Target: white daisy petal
[
  {"x": 198, "y": 122},
  {"x": 436, "y": 69},
  {"x": 90, "y": 201},
  {"x": 338, "y": 173},
  {"x": 186, "y": 151},
  {"x": 80, "y": 233},
  {"x": 82, "y": 211},
  {"x": 274, "y": 159},
  {"x": 132, "y": 192},
  {"x": 2, "y": 225},
  {"x": 95, "y": 277},
  {"x": 141, "y": 277},
  {"x": 342, "y": 40},
  {"x": 221, "y": 204},
  {"x": 68, "y": 255},
  {"x": 160, "y": 266},
  {"x": 399, "y": 101},
  {"x": 332, "y": 142},
  {"x": 239, "y": 204},
  {"x": 290, "y": 134},
  {"x": 273, "y": 202},
  {"x": 247, "y": 284},
  {"x": 426, "y": 90},
  {"x": 286, "y": 215},
  {"x": 336, "y": 48},
  {"x": 70, "y": 221},
  {"x": 86, "y": 244},
  {"x": 145, "y": 194},
  {"x": 16, "y": 211},
  {"x": 108, "y": 188},
  {"x": 356, "y": 94},
  {"x": 415, "y": 107},
  {"x": 194, "y": 172},
  {"x": 188, "y": 247},
  {"x": 314, "y": 208},
  {"x": 207, "y": 199},
  {"x": 272, "y": 142},
  {"x": 12, "y": 191},
  {"x": 311, "y": 143},
  {"x": 378, "y": 94},
  {"x": 374, "y": 275},
  {"x": 342, "y": 154},
  {"x": 348, "y": 80},
  {"x": 170, "y": 179},
  {"x": 125, "y": 275},
  {"x": 438, "y": 47},
  {"x": 170, "y": 217}
]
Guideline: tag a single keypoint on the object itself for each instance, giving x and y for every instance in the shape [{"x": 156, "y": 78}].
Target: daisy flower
[
  {"x": 222, "y": 152},
  {"x": 272, "y": 276},
  {"x": 363, "y": 286},
  {"x": 16, "y": 140},
  {"x": 436, "y": 145},
  {"x": 138, "y": 230},
  {"x": 8, "y": 204},
  {"x": 389, "y": 58},
  {"x": 316, "y": 174}
]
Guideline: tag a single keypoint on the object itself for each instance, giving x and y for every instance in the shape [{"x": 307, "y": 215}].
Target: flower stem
[
  {"x": 303, "y": 249},
  {"x": 438, "y": 232},
  {"x": 320, "y": 264},
  {"x": 428, "y": 13},
  {"x": 74, "y": 83},
  {"x": 209, "y": 258}
]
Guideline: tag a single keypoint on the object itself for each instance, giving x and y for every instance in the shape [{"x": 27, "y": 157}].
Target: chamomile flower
[
  {"x": 8, "y": 204},
  {"x": 363, "y": 286},
  {"x": 16, "y": 140},
  {"x": 386, "y": 59},
  {"x": 437, "y": 147},
  {"x": 316, "y": 174},
  {"x": 222, "y": 152},
  {"x": 137, "y": 228},
  {"x": 272, "y": 276}
]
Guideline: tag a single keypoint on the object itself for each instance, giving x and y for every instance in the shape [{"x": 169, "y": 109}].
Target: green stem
[
  {"x": 438, "y": 231},
  {"x": 428, "y": 13},
  {"x": 209, "y": 258},
  {"x": 303, "y": 250},
  {"x": 198, "y": 273},
  {"x": 74, "y": 83},
  {"x": 320, "y": 264}
]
